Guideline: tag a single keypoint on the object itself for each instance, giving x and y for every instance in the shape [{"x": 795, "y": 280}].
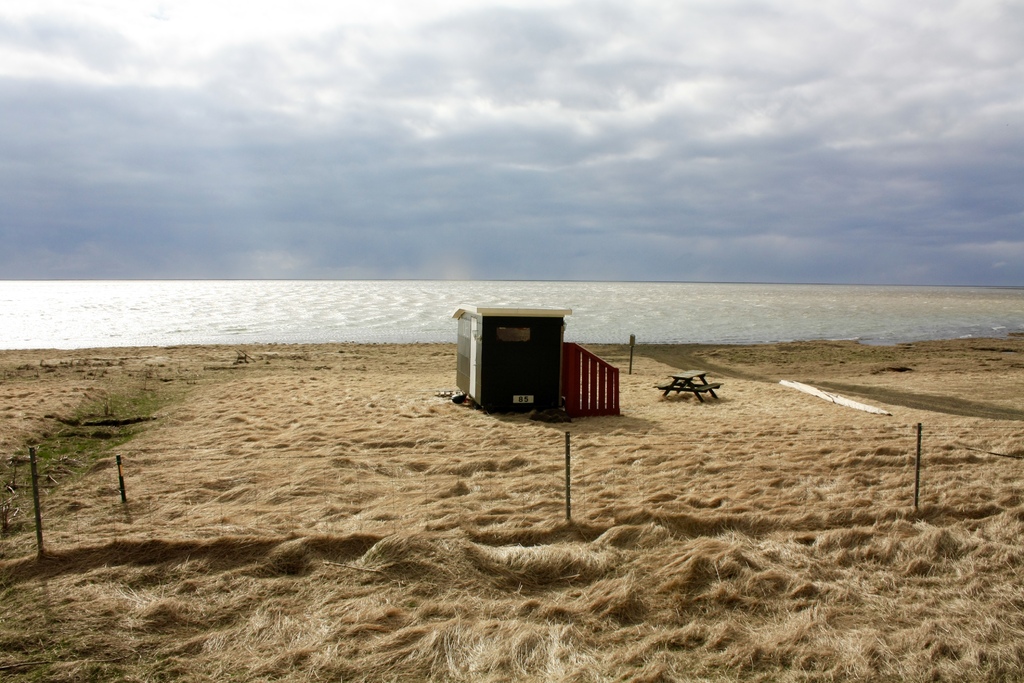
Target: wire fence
[{"x": 507, "y": 489}]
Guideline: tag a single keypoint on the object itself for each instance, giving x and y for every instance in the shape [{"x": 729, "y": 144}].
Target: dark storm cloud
[{"x": 736, "y": 141}]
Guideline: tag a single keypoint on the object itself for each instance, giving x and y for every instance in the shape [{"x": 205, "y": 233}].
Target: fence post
[
  {"x": 35, "y": 500},
  {"x": 568, "y": 489},
  {"x": 917, "y": 469},
  {"x": 632, "y": 343},
  {"x": 120, "y": 479}
]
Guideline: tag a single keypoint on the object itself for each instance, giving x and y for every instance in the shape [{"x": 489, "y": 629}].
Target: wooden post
[
  {"x": 917, "y": 469},
  {"x": 632, "y": 343},
  {"x": 568, "y": 489},
  {"x": 35, "y": 500},
  {"x": 120, "y": 479}
]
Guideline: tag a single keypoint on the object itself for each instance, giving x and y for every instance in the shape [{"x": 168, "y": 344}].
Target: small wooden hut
[
  {"x": 516, "y": 359},
  {"x": 511, "y": 358}
]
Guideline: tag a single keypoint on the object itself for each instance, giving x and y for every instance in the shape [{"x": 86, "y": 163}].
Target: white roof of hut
[{"x": 513, "y": 312}]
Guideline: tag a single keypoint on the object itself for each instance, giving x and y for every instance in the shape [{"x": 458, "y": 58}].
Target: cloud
[
  {"x": 61, "y": 48},
  {"x": 713, "y": 141}
]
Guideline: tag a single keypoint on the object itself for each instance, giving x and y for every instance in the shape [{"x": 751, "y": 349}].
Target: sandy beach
[{"x": 326, "y": 512}]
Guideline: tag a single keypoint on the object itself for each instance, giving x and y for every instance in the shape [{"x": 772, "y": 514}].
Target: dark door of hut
[{"x": 522, "y": 359}]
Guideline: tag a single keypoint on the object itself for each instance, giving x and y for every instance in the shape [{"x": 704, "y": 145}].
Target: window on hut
[{"x": 514, "y": 334}]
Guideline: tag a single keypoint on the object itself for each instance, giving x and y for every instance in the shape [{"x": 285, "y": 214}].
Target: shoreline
[{"x": 1009, "y": 335}]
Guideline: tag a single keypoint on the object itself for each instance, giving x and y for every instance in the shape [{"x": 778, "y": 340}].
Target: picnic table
[{"x": 694, "y": 381}]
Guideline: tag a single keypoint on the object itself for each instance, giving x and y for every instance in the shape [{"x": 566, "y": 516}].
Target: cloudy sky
[{"x": 698, "y": 140}]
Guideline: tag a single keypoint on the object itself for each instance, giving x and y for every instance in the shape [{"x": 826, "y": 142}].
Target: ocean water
[{"x": 83, "y": 314}]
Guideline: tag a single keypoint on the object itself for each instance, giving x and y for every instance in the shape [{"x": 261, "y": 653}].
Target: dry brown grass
[{"x": 320, "y": 514}]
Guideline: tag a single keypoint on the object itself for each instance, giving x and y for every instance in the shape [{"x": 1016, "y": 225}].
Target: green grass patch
[{"x": 93, "y": 431}]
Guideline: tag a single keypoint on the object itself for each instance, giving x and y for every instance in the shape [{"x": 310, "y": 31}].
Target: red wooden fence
[{"x": 590, "y": 385}]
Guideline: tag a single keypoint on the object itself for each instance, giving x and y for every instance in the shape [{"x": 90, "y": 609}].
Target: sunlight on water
[{"x": 79, "y": 314}]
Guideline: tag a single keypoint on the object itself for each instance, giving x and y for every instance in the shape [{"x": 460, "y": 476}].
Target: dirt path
[{"x": 952, "y": 405}]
